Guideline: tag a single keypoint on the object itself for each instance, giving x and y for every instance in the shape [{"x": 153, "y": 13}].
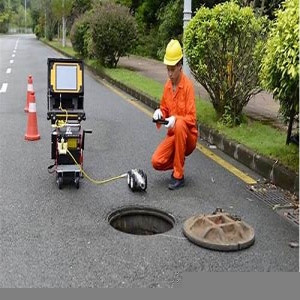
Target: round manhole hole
[{"x": 141, "y": 220}]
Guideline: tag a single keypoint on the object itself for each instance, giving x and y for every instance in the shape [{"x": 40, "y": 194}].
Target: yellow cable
[
  {"x": 93, "y": 180},
  {"x": 62, "y": 123},
  {"x": 64, "y": 110}
]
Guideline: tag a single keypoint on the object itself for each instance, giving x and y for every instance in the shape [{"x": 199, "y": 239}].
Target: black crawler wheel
[
  {"x": 132, "y": 183},
  {"x": 145, "y": 187},
  {"x": 144, "y": 176}
]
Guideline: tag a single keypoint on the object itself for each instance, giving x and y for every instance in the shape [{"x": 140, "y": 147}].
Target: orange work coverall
[{"x": 180, "y": 140}]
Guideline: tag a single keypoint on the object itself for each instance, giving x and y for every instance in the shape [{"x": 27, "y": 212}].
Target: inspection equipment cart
[{"x": 65, "y": 100}]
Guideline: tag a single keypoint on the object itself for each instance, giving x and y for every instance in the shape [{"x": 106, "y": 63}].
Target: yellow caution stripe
[{"x": 246, "y": 178}]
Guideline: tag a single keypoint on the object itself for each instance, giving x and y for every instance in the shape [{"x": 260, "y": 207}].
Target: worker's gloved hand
[
  {"x": 171, "y": 122},
  {"x": 157, "y": 114}
]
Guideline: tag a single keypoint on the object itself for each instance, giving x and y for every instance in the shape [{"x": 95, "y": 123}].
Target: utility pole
[{"x": 187, "y": 15}]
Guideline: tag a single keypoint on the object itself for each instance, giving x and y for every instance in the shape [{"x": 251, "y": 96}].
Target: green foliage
[
  {"x": 223, "y": 49},
  {"x": 81, "y": 6},
  {"x": 61, "y": 8},
  {"x": 39, "y": 31},
  {"x": 4, "y": 20},
  {"x": 79, "y": 35},
  {"x": 35, "y": 21},
  {"x": 158, "y": 20},
  {"x": 171, "y": 24},
  {"x": 150, "y": 15},
  {"x": 11, "y": 14},
  {"x": 113, "y": 32},
  {"x": 147, "y": 11},
  {"x": 147, "y": 44},
  {"x": 39, "y": 27},
  {"x": 133, "y": 79},
  {"x": 280, "y": 65},
  {"x": 50, "y": 20}
]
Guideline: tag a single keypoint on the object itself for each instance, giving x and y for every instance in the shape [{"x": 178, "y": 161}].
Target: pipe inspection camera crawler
[{"x": 65, "y": 99}]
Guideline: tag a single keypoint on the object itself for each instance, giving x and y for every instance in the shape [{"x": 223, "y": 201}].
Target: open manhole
[
  {"x": 219, "y": 231},
  {"x": 141, "y": 220}
]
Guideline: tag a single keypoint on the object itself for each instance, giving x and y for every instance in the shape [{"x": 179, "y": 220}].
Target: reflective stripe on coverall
[{"x": 181, "y": 140}]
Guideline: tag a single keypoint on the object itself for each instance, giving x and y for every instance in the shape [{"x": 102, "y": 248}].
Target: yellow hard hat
[{"x": 173, "y": 53}]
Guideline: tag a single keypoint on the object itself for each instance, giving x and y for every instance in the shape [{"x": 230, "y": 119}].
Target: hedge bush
[
  {"x": 113, "y": 32},
  {"x": 78, "y": 35},
  {"x": 222, "y": 46}
]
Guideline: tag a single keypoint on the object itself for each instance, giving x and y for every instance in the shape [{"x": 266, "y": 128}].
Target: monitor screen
[{"x": 66, "y": 77}]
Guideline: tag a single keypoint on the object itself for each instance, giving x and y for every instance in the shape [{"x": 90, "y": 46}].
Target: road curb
[{"x": 271, "y": 170}]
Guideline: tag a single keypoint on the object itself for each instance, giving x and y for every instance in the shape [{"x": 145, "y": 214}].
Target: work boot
[{"x": 176, "y": 183}]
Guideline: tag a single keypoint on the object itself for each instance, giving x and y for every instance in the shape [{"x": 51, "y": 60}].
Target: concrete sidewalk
[{"x": 261, "y": 107}]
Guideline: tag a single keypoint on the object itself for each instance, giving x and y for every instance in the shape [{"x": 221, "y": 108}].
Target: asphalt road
[{"x": 61, "y": 238}]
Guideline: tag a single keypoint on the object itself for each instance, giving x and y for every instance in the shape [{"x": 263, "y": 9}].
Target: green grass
[
  {"x": 58, "y": 45},
  {"x": 263, "y": 139},
  {"x": 135, "y": 80}
]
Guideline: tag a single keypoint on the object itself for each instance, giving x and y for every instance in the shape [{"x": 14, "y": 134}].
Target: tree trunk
[
  {"x": 63, "y": 31},
  {"x": 291, "y": 122}
]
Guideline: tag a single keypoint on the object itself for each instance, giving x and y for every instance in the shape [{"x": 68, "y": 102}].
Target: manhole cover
[
  {"x": 141, "y": 220},
  {"x": 219, "y": 231}
]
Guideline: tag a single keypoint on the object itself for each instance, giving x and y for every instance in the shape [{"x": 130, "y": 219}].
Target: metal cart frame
[{"x": 65, "y": 102}]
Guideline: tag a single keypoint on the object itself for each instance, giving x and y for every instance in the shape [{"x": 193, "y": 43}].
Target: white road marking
[
  {"x": 11, "y": 61},
  {"x": 4, "y": 87},
  {"x": 8, "y": 71},
  {"x": 13, "y": 55}
]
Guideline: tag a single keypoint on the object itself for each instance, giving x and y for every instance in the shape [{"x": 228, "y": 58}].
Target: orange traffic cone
[
  {"x": 32, "y": 133},
  {"x": 29, "y": 90}
]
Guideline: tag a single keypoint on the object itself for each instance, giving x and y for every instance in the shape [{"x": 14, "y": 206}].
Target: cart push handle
[{"x": 89, "y": 131}]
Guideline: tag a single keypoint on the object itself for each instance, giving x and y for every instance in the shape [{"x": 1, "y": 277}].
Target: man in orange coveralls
[{"x": 178, "y": 107}]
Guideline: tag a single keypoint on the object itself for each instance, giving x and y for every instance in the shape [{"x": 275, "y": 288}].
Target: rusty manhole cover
[
  {"x": 141, "y": 220},
  {"x": 219, "y": 231}
]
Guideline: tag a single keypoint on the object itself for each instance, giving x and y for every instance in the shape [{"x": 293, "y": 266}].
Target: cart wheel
[
  {"x": 76, "y": 180},
  {"x": 60, "y": 182}
]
